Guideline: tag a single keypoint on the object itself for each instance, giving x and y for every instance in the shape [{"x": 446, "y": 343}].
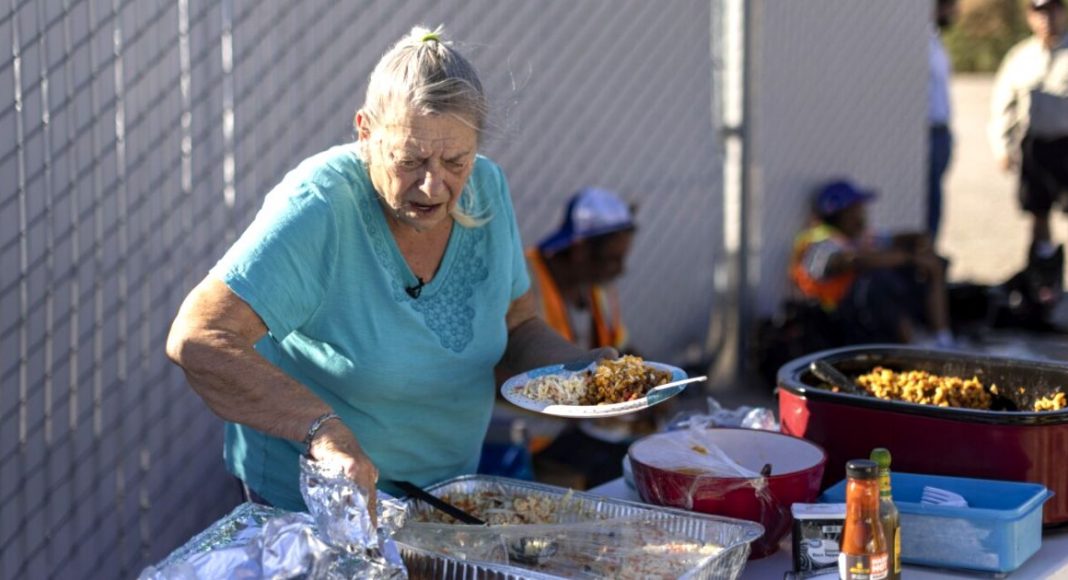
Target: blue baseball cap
[
  {"x": 591, "y": 212},
  {"x": 839, "y": 195}
]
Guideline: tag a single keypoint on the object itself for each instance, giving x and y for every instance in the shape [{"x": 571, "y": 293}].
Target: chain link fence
[{"x": 139, "y": 138}]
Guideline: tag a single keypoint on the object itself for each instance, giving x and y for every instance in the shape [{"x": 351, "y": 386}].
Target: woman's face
[{"x": 419, "y": 164}]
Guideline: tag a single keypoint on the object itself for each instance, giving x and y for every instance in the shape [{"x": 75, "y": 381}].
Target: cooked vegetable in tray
[{"x": 916, "y": 386}]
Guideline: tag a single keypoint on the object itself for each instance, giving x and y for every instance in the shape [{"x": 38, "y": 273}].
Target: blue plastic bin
[{"x": 999, "y": 530}]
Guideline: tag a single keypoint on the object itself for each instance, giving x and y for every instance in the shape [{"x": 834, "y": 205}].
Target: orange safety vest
[
  {"x": 828, "y": 291},
  {"x": 604, "y": 306}
]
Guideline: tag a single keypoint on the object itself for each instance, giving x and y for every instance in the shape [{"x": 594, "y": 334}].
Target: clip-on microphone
[{"x": 417, "y": 289}]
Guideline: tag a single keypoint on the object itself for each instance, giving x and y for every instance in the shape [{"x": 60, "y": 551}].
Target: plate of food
[{"x": 605, "y": 388}]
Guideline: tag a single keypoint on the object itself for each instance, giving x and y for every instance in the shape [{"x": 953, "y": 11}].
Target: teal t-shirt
[{"x": 411, "y": 377}]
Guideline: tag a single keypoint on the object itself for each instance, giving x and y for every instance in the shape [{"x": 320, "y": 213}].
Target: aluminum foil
[{"x": 335, "y": 541}]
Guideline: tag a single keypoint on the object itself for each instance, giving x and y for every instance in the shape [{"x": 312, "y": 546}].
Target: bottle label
[
  {"x": 897, "y": 551},
  {"x": 863, "y": 566}
]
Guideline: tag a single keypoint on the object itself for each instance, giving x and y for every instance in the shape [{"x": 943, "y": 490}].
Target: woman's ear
[{"x": 362, "y": 126}]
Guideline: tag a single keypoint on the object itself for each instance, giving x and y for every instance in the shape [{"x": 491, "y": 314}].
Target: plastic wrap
[
  {"x": 694, "y": 452},
  {"x": 717, "y": 416},
  {"x": 335, "y": 541},
  {"x": 574, "y": 535},
  {"x": 714, "y": 474},
  {"x": 745, "y": 473},
  {"x": 630, "y": 547}
]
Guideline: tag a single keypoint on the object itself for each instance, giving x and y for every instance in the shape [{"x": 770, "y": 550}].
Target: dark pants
[
  {"x": 1043, "y": 174},
  {"x": 941, "y": 151},
  {"x": 877, "y": 303}
]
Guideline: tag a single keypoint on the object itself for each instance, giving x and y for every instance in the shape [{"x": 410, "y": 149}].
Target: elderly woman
[{"x": 360, "y": 318}]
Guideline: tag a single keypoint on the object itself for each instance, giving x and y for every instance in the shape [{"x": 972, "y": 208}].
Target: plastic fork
[
  {"x": 937, "y": 496},
  {"x": 668, "y": 390}
]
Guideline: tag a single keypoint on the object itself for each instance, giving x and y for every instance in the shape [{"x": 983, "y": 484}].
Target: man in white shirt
[
  {"x": 941, "y": 140},
  {"x": 1029, "y": 118}
]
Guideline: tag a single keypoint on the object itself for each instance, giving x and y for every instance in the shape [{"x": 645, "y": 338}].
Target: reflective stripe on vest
[
  {"x": 830, "y": 291},
  {"x": 604, "y": 307}
]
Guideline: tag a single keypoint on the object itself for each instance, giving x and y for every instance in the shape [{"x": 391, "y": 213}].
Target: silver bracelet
[{"x": 313, "y": 429}]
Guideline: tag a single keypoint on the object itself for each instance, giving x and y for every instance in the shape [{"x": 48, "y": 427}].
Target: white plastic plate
[{"x": 509, "y": 390}]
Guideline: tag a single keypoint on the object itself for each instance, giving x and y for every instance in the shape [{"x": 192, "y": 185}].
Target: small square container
[
  {"x": 999, "y": 530},
  {"x": 817, "y": 535}
]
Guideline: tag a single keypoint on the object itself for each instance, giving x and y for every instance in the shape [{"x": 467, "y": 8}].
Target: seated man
[
  {"x": 875, "y": 287},
  {"x": 573, "y": 270}
]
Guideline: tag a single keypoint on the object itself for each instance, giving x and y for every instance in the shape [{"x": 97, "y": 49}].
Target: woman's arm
[
  {"x": 212, "y": 340},
  {"x": 532, "y": 344}
]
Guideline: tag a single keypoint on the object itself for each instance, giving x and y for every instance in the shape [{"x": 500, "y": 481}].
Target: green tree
[{"x": 985, "y": 31}]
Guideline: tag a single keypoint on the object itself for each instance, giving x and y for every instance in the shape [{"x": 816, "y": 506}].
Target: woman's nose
[{"x": 433, "y": 181}]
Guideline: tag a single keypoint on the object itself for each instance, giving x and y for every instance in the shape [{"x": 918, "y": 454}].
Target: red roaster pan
[{"x": 1003, "y": 443}]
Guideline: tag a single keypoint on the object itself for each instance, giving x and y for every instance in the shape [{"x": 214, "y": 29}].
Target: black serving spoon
[
  {"x": 826, "y": 372},
  {"x": 438, "y": 503}
]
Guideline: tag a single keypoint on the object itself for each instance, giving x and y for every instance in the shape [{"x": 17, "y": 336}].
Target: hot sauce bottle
[
  {"x": 888, "y": 513},
  {"x": 864, "y": 553}
]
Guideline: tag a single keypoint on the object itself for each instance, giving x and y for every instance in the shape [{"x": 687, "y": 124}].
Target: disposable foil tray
[{"x": 733, "y": 536}]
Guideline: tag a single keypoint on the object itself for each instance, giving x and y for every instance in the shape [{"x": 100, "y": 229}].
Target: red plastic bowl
[{"x": 796, "y": 464}]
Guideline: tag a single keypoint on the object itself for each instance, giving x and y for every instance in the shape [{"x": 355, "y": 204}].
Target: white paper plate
[{"x": 510, "y": 393}]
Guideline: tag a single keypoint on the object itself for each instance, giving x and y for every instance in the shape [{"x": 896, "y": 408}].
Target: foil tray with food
[
  {"x": 939, "y": 412},
  {"x": 545, "y": 531},
  {"x": 606, "y": 388}
]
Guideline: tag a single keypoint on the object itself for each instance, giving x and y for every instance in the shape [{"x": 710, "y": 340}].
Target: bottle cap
[
  {"x": 881, "y": 457},
  {"x": 862, "y": 469}
]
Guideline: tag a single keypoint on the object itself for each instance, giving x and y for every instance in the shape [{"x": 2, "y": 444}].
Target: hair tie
[{"x": 431, "y": 36}]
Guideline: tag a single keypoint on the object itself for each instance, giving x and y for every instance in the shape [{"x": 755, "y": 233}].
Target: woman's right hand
[{"x": 334, "y": 443}]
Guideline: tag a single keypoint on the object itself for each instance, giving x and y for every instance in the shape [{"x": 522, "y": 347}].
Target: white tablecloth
[{"x": 1051, "y": 560}]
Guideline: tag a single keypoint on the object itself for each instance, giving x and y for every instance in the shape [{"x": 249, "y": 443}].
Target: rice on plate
[
  {"x": 612, "y": 381},
  {"x": 558, "y": 389}
]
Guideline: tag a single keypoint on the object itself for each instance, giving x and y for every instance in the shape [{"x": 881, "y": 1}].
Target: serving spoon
[
  {"x": 438, "y": 503},
  {"x": 835, "y": 377}
]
